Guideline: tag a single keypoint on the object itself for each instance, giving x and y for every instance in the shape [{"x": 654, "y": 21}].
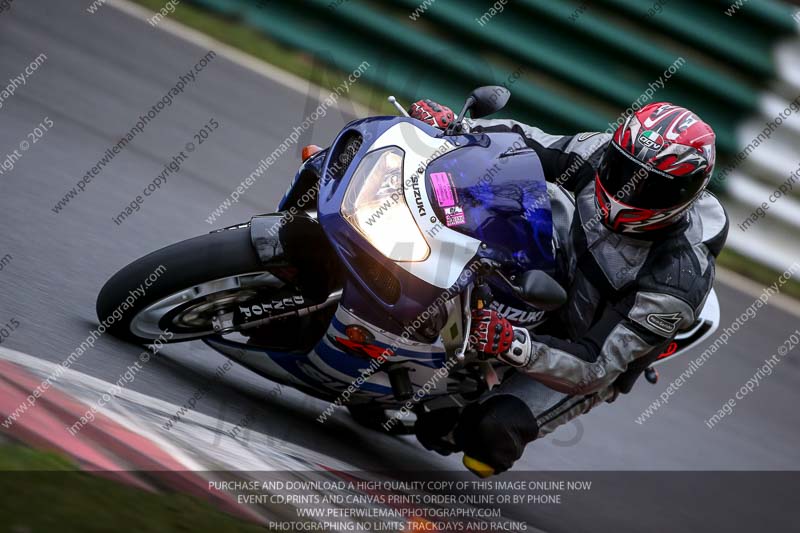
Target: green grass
[
  {"x": 757, "y": 272},
  {"x": 43, "y": 492},
  {"x": 21, "y": 459}
]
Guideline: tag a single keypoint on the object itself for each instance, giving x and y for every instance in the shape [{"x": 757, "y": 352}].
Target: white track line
[
  {"x": 45, "y": 368},
  {"x": 245, "y": 60},
  {"x": 296, "y": 83},
  {"x": 755, "y": 289},
  {"x": 198, "y": 441},
  {"x": 188, "y": 441}
]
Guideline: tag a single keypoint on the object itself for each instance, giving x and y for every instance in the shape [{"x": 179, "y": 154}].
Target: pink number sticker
[{"x": 443, "y": 189}]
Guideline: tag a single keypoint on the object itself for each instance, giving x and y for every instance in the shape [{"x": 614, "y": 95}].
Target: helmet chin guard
[{"x": 622, "y": 218}]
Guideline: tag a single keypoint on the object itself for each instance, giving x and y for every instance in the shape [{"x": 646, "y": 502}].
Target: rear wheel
[{"x": 182, "y": 287}]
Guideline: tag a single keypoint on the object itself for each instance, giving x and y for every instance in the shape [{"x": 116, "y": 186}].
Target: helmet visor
[{"x": 634, "y": 183}]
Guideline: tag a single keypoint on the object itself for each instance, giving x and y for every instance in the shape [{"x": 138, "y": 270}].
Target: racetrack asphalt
[{"x": 104, "y": 70}]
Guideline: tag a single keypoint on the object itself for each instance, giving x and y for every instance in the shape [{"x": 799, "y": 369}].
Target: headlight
[{"x": 375, "y": 206}]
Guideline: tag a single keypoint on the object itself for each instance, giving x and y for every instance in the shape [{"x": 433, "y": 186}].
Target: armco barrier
[
  {"x": 582, "y": 63},
  {"x": 575, "y": 64}
]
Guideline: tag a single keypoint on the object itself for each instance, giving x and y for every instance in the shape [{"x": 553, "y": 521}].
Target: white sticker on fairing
[{"x": 454, "y": 216}]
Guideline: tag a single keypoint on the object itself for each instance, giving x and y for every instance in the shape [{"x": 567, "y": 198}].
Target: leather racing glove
[
  {"x": 431, "y": 113},
  {"x": 492, "y": 334}
]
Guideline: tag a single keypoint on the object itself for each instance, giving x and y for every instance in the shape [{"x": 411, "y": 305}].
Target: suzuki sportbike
[{"x": 359, "y": 288}]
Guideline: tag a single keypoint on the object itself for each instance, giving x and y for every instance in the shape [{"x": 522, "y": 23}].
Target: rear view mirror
[
  {"x": 542, "y": 291},
  {"x": 481, "y": 102},
  {"x": 488, "y": 100}
]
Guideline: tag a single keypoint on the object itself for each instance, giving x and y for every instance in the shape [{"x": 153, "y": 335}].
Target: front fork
[{"x": 479, "y": 297}]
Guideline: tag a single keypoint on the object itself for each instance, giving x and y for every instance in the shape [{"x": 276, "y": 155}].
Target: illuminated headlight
[{"x": 375, "y": 206}]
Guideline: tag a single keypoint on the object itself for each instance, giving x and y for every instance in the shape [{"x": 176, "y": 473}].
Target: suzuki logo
[{"x": 418, "y": 196}]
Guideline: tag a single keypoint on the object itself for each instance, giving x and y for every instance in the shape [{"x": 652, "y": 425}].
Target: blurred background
[{"x": 572, "y": 66}]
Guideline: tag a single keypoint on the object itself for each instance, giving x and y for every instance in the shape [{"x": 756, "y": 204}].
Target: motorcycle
[{"x": 358, "y": 290}]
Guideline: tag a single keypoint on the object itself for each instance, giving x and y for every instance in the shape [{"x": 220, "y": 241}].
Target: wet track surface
[{"x": 104, "y": 70}]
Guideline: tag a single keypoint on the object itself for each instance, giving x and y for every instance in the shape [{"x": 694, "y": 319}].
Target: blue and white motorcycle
[{"x": 359, "y": 288}]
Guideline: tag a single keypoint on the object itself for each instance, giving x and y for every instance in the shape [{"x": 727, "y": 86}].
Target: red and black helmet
[{"x": 657, "y": 164}]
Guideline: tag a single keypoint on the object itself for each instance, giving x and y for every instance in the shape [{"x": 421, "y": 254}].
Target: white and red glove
[
  {"x": 431, "y": 113},
  {"x": 492, "y": 334}
]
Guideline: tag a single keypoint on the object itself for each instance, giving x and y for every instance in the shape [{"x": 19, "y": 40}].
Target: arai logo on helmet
[{"x": 652, "y": 139}]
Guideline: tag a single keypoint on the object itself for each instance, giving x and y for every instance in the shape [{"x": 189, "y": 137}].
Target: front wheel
[{"x": 180, "y": 288}]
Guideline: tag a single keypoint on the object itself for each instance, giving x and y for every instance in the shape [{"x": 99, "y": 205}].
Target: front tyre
[{"x": 180, "y": 288}]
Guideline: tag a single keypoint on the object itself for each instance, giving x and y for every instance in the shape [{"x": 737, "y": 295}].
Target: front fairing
[
  {"x": 506, "y": 217},
  {"x": 378, "y": 288}
]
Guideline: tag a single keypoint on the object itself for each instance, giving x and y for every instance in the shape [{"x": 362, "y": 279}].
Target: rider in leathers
[{"x": 640, "y": 252}]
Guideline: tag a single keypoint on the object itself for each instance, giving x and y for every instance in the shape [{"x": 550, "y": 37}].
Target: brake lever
[
  {"x": 480, "y": 300},
  {"x": 467, "y": 311}
]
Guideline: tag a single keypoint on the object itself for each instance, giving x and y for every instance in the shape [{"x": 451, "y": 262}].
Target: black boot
[
  {"x": 496, "y": 431},
  {"x": 434, "y": 430}
]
